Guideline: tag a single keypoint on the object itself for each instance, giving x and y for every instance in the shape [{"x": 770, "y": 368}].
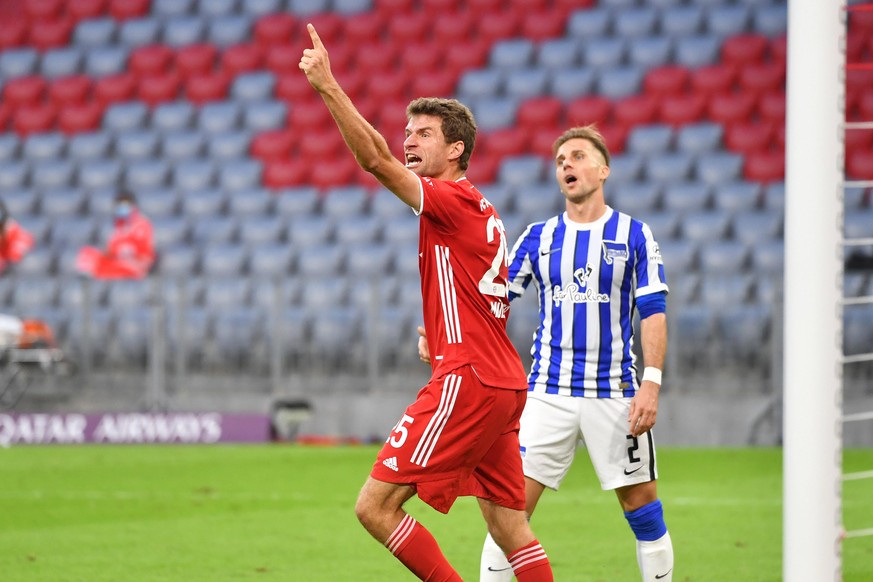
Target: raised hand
[{"x": 315, "y": 63}]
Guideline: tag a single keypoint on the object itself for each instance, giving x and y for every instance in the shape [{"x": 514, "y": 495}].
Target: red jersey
[
  {"x": 14, "y": 243},
  {"x": 463, "y": 263}
]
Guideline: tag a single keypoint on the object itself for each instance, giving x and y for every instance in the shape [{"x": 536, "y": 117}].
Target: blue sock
[{"x": 647, "y": 522}]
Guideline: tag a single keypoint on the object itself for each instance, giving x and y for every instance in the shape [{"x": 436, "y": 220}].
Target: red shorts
[{"x": 459, "y": 437}]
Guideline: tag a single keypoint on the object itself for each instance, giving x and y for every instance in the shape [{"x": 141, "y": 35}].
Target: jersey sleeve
[
  {"x": 520, "y": 265},
  {"x": 649, "y": 265},
  {"x": 436, "y": 204}
]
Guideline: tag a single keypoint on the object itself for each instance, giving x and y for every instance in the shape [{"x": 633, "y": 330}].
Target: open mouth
[
  {"x": 412, "y": 161},
  {"x": 570, "y": 179}
]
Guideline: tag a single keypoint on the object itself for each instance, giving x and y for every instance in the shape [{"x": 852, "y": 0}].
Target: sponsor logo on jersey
[
  {"x": 573, "y": 294},
  {"x": 391, "y": 463},
  {"x": 582, "y": 274},
  {"x": 613, "y": 250}
]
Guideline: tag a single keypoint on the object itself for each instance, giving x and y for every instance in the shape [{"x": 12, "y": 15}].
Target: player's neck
[{"x": 589, "y": 210}]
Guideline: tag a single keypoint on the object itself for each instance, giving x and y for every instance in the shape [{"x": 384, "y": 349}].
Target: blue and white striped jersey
[{"x": 588, "y": 277}]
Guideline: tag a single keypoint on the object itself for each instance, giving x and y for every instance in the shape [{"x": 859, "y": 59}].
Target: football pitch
[{"x": 285, "y": 512}]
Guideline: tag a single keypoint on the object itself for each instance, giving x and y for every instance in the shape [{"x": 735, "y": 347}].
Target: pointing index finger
[{"x": 313, "y": 35}]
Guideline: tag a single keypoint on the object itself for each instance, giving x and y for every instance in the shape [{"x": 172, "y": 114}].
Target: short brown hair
[
  {"x": 458, "y": 123},
  {"x": 588, "y": 132}
]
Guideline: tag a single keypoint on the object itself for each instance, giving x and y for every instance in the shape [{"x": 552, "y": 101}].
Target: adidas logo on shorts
[{"x": 391, "y": 463}]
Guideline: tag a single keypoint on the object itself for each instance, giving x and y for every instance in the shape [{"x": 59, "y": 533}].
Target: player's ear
[
  {"x": 604, "y": 172},
  {"x": 456, "y": 150}
]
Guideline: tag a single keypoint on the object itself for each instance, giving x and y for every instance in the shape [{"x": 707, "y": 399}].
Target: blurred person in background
[
  {"x": 460, "y": 435},
  {"x": 130, "y": 252},
  {"x": 15, "y": 241}
]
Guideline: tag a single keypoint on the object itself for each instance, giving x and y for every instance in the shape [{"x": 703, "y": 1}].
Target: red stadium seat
[
  {"x": 310, "y": 116},
  {"x": 865, "y": 106},
  {"x": 858, "y": 140},
  {"x": 293, "y": 87},
  {"x": 284, "y": 58},
  {"x": 615, "y": 136},
  {"x": 36, "y": 118},
  {"x": 337, "y": 171},
  {"x": 388, "y": 85},
  {"x": 372, "y": 57},
  {"x": 85, "y": 9},
  {"x": 5, "y": 115},
  {"x": 468, "y": 55},
  {"x": 859, "y": 166},
  {"x": 765, "y": 166},
  {"x": 273, "y": 29},
  {"x": 274, "y": 145},
  {"x": 744, "y": 49},
  {"x": 422, "y": 56},
  {"x": 731, "y": 107},
  {"x": 748, "y": 137},
  {"x": 43, "y": 9},
  {"x": 779, "y": 50},
  {"x": 543, "y": 139},
  {"x": 114, "y": 88},
  {"x": 449, "y": 27},
  {"x": 67, "y": 90},
  {"x": 390, "y": 117},
  {"x": 771, "y": 107},
  {"x": 209, "y": 86},
  {"x": 574, "y": 4},
  {"x": 388, "y": 8},
  {"x": 242, "y": 58},
  {"x": 541, "y": 111},
  {"x": 860, "y": 20},
  {"x": 543, "y": 24},
  {"x": 484, "y": 8},
  {"x": 24, "y": 91},
  {"x": 682, "y": 109},
  {"x": 362, "y": 28},
  {"x": 763, "y": 77},
  {"x": 511, "y": 141},
  {"x": 353, "y": 82},
  {"x": 151, "y": 59},
  {"x": 498, "y": 26},
  {"x": 127, "y": 9},
  {"x": 79, "y": 117},
  {"x": 48, "y": 34},
  {"x": 483, "y": 168},
  {"x": 636, "y": 110},
  {"x": 714, "y": 79},
  {"x": 159, "y": 88},
  {"x": 196, "y": 59},
  {"x": 667, "y": 80},
  {"x": 441, "y": 83},
  {"x": 13, "y": 33},
  {"x": 284, "y": 173},
  {"x": 329, "y": 25},
  {"x": 587, "y": 110},
  {"x": 409, "y": 27},
  {"x": 437, "y": 8}
]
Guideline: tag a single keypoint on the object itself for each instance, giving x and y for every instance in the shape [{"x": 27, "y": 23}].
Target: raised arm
[{"x": 370, "y": 149}]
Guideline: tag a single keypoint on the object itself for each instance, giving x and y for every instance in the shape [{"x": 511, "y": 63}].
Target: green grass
[{"x": 213, "y": 513}]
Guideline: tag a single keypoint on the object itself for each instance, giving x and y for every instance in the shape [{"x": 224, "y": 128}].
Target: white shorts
[{"x": 553, "y": 426}]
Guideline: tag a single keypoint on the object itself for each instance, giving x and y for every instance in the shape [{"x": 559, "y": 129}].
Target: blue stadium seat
[
  {"x": 705, "y": 225},
  {"x": 774, "y": 196},
  {"x": 639, "y": 199},
  {"x": 570, "y": 83},
  {"x": 680, "y": 255},
  {"x": 664, "y": 225},
  {"x": 512, "y": 54},
  {"x": 72, "y": 232},
  {"x": 351, "y": 7},
  {"x": 13, "y": 175},
  {"x": 857, "y": 331},
  {"x": 604, "y": 52},
  {"x": 402, "y": 231},
  {"x": 311, "y": 231},
  {"x": 172, "y": 8},
  {"x": 335, "y": 332},
  {"x": 727, "y": 20},
  {"x": 61, "y": 62},
  {"x": 178, "y": 260},
  {"x": 227, "y": 292},
  {"x": 102, "y": 61},
  {"x": 754, "y": 227},
  {"x": 264, "y": 115},
  {"x": 220, "y": 116},
  {"x": 38, "y": 226},
  {"x": 229, "y": 29},
  {"x": 44, "y": 146},
  {"x": 256, "y": 86},
  {"x": 684, "y": 288},
  {"x": 669, "y": 167},
  {"x": 699, "y": 137},
  {"x": 10, "y": 146},
  {"x": 559, "y": 54},
  {"x": 18, "y": 62},
  {"x": 89, "y": 146},
  {"x": 137, "y": 144},
  {"x": 172, "y": 116},
  {"x": 48, "y": 174},
  {"x": 252, "y": 202},
  {"x": 744, "y": 330},
  {"x": 40, "y": 261},
  {"x": 527, "y": 83},
  {"x": 182, "y": 144},
  {"x": 95, "y": 32},
  {"x": 356, "y": 230},
  {"x": 125, "y": 116},
  {"x": 858, "y": 223},
  {"x": 236, "y": 333},
  {"x": 499, "y": 195},
  {"x": 651, "y": 51},
  {"x": 271, "y": 259},
  {"x": 131, "y": 337},
  {"x": 215, "y": 8},
  {"x": 138, "y": 32},
  {"x": 215, "y": 230},
  {"x": 386, "y": 205},
  {"x": 319, "y": 293},
  {"x": 321, "y": 261},
  {"x": 696, "y": 51},
  {"x": 737, "y": 196},
  {"x": 261, "y": 7},
  {"x": 128, "y": 293},
  {"x": 147, "y": 174},
  {"x": 686, "y": 196},
  {"x": 229, "y": 145},
  {"x": 770, "y": 20},
  {"x": 368, "y": 260},
  {"x": 728, "y": 257},
  {"x": 101, "y": 201},
  {"x": 158, "y": 202},
  {"x": 592, "y": 22},
  {"x": 299, "y": 201},
  {"x": 682, "y": 20},
  {"x": 30, "y": 293},
  {"x": 619, "y": 82},
  {"x": 480, "y": 84},
  {"x": 521, "y": 171},
  {"x": 719, "y": 167},
  {"x": 194, "y": 174},
  {"x": 768, "y": 257},
  {"x": 257, "y": 230},
  {"x": 635, "y": 22},
  {"x": 650, "y": 139},
  {"x": 538, "y": 201},
  {"x": 495, "y": 113},
  {"x": 696, "y": 325},
  {"x": 854, "y": 197},
  {"x": 62, "y": 203},
  {"x": 854, "y": 283},
  {"x": 624, "y": 168},
  {"x": 20, "y": 202},
  {"x": 346, "y": 200},
  {"x": 722, "y": 290},
  {"x": 224, "y": 260},
  {"x": 240, "y": 175},
  {"x": 170, "y": 230}
]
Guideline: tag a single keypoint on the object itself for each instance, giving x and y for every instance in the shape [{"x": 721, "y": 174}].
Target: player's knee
[
  {"x": 365, "y": 510},
  {"x": 647, "y": 522}
]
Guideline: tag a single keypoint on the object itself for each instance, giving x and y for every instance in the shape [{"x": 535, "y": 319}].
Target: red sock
[
  {"x": 531, "y": 564},
  {"x": 417, "y": 549}
]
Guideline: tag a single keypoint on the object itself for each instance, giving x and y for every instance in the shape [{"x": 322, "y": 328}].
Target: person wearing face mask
[
  {"x": 130, "y": 252},
  {"x": 15, "y": 241}
]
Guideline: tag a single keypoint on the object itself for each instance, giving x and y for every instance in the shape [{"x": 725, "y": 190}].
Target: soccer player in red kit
[{"x": 460, "y": 436}]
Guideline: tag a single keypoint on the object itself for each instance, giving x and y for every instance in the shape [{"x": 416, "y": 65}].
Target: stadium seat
[
  {"x": 18, "y": 62},
  {"x": 559, "y": 54},
  {"x": 769, "y": 257},
  {"x": 649, "y": 140},
  {"x": 99, "y": 173},
  {"x": 526, "y": 83},
  {"x": 744, "y": 49},
  {"x": 136, "y": 144},
  {"x": 368, "y": 260},
  {"x": 480, "y": 84},
  {"x": 229, "y": 146},
  {"x": 569, "y": 84},
  {"x": 745, "y": 330},
  {"x": 61, "y": 62},
  {"x": 635, "y": 22},
  {"x": 127, "y": 294},
  {"x": 194, "y": 174},
  {"x": 183, "y": 31},
  {"x": 696, "y": 51},
  {"x": 168, "y": 230},
  {"x": 240, "y": 175},
  {"x": 178, "y": 260},
  {"x": 620, "y": 82},
  {"x": 754, "y": 227},
  {"x": 728, "y": 258},
  {"x": 224, "y": 260},
  {"x": 774, "y": 196},
  {"x": 512, "y": 54},
  {"x": 182, "y": 144},
  {"x": 146, "y": 174},
  {"x": 219, "y": 116},
  {"x": 44, "y": 146},
  {"x": 680, "y": 255},
  {"x": 705, "y": 225},
  {"x": 227, "y": 292},
  {"x": 727, "y": 20},
  {"x": 668, "y": 167},
  {"x": 258, "y": 230},
  {"x": 717, "y": 167},
  {"x": 650, "y": 51},
  {"x": 762, "y": 78},
  {"x": 36, "y": 118},
  {"x": 699, "y": 137},
  {"x": 20, "y": 202},
  {"x": 593, "y": 22},
  {"x": 324, "y": 292},
  {"x": 639, "y": 199},
  {"x": 625, "y": 168},
  {"x": 770, "y": 20},
  {"x": 681, "y": 20},
  {"x": 664, "y": 225},
  {"x": 125, "y": 116},
  {"x": 62, "y": 202},
  {"x": 264, "y": 115},
  {"x": 765, "y": 166},
  {"x": 685, "y": 196},
  {"x": 270, "y": 259},
  {"x": 737, "y": 196}
]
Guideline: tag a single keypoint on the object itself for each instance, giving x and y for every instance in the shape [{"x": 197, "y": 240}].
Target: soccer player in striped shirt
[
  {"x": 593, "y": 267},
  {"x": 460, "y": 436}
]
